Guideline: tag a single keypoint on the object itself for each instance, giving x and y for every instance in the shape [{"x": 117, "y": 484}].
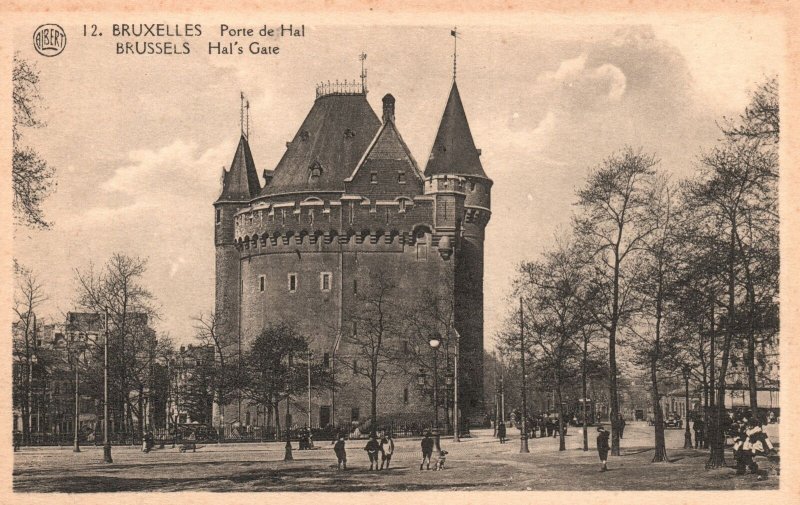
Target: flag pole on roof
[
  {"x": 454, "y": 33},
  {"x": 241, "y": 112},
  {"x": 362, "y": 57}
]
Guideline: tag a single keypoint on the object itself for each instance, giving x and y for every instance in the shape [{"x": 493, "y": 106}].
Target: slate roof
[
  {"x": 454, "y": 150},
  {"x": 389, "y": 151},
  {"x": 335, "y": 134},
  {"x": 240, "y": 182}
]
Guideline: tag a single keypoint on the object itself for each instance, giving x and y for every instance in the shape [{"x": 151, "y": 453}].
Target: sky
[{"x": 139, "y": 142}]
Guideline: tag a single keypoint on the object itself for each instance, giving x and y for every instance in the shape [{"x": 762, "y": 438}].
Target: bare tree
[
  {"x": 553, "y": 292},
  {"x": 28, "y": 296},
  {"x": 652, "y": 346},
  {"x": 761, "y": 118},
  {"x": 117, "y": 288},
  {"x": 431, "y": 314},
  {"x": 32, "y": 178},
  {"x": 735, "y": 178},
  {"x": 209, "y": 331},
  {"x": 375, "y": 327},
  {"x": 612, "y": 204}
]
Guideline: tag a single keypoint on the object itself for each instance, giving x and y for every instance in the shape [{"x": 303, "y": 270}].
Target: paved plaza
[{"x": 479, "y": 462}]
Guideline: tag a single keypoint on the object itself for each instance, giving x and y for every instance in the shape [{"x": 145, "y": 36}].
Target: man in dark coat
[
  {"x": 341, "y": 456},
  {"x": 602, "y": 447},
  {"x": 427, "y": 450},
  {"x": 699, "y": 433},
  {"x": 373, "y": 448},
  {"x": 501, "y": 432}
]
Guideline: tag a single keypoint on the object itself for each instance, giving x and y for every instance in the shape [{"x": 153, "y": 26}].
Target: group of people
[
  {"x": 306, "y": 441},
  {"x": 380, "y": 452},
  {"x": 749, "y": 441}
]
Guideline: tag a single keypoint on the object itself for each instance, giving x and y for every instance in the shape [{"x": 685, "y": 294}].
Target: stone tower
[
  {"x": 347, "y": 199},
  {"x": 454, "y": 154},
  {"x": 239, "y": 185}
]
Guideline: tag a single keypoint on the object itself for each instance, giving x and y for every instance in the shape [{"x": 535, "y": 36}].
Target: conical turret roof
[
  {"x": 332, "y": 140},
  {"x": 454, "y": 150},
  {"x": 240, "y": 183}
]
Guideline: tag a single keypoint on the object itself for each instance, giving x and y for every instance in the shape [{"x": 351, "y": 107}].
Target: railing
[
  {"x": 339, "y": 88},
  {"x": 235, "y": 434}
]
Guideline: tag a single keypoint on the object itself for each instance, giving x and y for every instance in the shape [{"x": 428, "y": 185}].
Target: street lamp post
[
  {"x": 523, "y": 447},
  {"x": 434, "y": 343},
  {"x": 76, "y": 446},
  {"x": 456, "y": 420},
  {"x": 687, "y": 436},
  {"x": 106, "y": 440}
]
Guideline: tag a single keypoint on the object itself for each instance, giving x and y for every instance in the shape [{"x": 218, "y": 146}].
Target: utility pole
[
  {"x": 523, "y": 448},
  {"x": 502, "y": 392},
  {"x": 456, "y": 426},
  {"x": 106, "y": 440},
  {"x": 309, "y": 390}
]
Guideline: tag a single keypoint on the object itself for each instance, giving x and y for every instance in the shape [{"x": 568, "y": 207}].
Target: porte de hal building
[{"x": 347, "y": 200}]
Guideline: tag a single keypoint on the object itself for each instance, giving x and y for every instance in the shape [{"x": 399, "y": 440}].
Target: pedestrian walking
[
  {"x": 427, "y": 450},
  {"x": 602, "y": 447},
  {"x": 341, "y": 455},
  {"x": 501, "y": 432},
  {"x": 387, "y": 449},
  {"x": 372, "y": 448},
  {"x": 621, "y": 426},
  {"x": 17, "y": 440},
  {"x": 699, "y": 427}
]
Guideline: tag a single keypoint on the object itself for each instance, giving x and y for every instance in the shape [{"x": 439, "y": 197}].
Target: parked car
[{"x": 673, "y": 420}]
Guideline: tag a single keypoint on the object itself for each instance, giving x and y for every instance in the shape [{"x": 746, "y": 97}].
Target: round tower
[{"x": 454, "y": 154}]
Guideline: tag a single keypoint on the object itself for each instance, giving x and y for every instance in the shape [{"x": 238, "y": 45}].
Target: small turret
[{"x": 240, "y": 183}]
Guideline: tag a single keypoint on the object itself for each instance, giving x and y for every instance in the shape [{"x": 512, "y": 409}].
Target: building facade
[{"x": 347, "y": 202}]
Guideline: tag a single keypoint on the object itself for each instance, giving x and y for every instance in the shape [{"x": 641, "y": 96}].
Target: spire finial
[
  {"x": 454, "y": 33},
  {"x": 241, "y": 112},
  {"x": 362, "y": 57},
  {"x": 247, "y": 120}
]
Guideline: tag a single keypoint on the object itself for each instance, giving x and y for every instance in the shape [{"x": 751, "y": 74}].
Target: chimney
[{"x": 388, "y": 108}]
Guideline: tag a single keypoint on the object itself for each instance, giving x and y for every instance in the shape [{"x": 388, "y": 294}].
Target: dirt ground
[{"x": 479, "y": 462}]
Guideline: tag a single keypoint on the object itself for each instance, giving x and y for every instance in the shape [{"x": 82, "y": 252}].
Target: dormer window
[
  {"x": 314, "y": 172},
  {"x": 304, "y": 135},
  {"x": 373, "y": 177},
  {"x": 401, "y": 177}
]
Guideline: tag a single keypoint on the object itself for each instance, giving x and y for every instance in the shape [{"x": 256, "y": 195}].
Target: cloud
[
  {"x": 171, "y": 169},
  {"x": 573, "y": 78}
]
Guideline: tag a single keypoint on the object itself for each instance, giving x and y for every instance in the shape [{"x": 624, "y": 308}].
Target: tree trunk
[
  {"x": 660, "y": 442},
  {"x": 717, "y": 456},
  {"x": 612, "y": 360},
  {"x": 140, "y": 417},
  {"x": 583, "y": 390},
  {"x": 277, "y": 420},
  {"x": 750, "y": 355},
  {"x": 373, "y": 414},
  {"x": 562, "y": 446}
]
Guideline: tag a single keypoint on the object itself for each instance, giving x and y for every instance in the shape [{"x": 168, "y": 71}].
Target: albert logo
[{"x": 49, "y": 40}]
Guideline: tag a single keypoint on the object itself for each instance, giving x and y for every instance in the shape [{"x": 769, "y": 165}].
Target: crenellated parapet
[
  {"x": 350, "y": 220},
  {"x": 357, "y": 220}
]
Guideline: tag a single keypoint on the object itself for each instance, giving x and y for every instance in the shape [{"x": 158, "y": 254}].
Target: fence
[{"x": 238, "y": 434}]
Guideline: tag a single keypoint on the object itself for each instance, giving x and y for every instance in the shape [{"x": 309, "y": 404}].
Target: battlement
[{"x": 351, "y": 217}]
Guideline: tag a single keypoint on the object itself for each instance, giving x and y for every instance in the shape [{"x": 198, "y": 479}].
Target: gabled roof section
[
  {"x": 240, "y": 183},
  {"x": 454, "y": 150},
  {"x": 335, "y": 134},
  {"x": 388, "y": 148}
]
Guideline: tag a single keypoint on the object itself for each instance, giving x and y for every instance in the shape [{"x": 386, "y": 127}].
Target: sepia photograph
[{"x": 264, "y": 251}]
